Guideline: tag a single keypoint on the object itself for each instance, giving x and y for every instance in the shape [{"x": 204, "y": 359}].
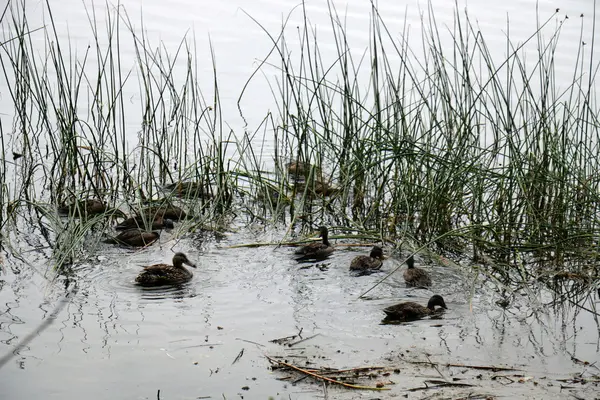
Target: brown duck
[
  {"x": 165, "y": 274},
  {"x": 300, "y": 169},
  {"x": 316, "y": 250},
  {"x": 370, "y": 263},
  {"x": 416, "y": 276},
  {"x": 141, "y": 222},
  {"x": 187, "y": 189},
  {"x": 87, "y": 207},
  {"x": 135, "y": 237},
  {"x": 165, "y": 211},
  {"x": 409, "y": 310}
]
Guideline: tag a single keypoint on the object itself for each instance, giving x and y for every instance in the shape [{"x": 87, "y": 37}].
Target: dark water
[{"x": 116, "y": 340}]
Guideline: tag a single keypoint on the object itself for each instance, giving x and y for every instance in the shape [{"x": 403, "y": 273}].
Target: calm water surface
[{"x": 115, "y": 340}]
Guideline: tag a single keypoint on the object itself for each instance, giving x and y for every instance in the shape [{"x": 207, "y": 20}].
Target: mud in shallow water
[{"x": 209, "y": 338}]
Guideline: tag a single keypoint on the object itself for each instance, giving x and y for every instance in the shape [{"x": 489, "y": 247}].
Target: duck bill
[{"x": 191, "y": 264}]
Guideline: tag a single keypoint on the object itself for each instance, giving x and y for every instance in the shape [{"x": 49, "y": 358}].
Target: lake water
[{"x": 115, "y": 340}]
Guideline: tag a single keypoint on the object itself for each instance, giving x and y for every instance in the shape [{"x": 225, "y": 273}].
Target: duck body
[
  {"x": 408, "y": 311},
  {"x": 141, "y": 222},
  {"x": 416, "y": 276},
  {"x": 165, "y": 274},
  {"x": 84, "y": 207},
  {"x": 135, "y": 237},
  {"x": 317, "y": 250},
  {"x": 366, "y": 264},
  {"x": 173, "y": 213},
  {"x": 300, "y": 169},
  {"x": 188, "y": 190}
]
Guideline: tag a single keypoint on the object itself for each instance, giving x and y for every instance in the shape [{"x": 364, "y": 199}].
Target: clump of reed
[{"x": 449, "y": 148}]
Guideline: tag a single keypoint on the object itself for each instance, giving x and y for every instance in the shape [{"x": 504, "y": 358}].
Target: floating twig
[
  {"x": 493, "y": 368},
  {"x": 241, "y": 353},
  {"x": 324, "y": 378},
  {"x": 250, "y": 341},
  {"x": 437, "y": 384},
  {"x": 303, "y": 340}
]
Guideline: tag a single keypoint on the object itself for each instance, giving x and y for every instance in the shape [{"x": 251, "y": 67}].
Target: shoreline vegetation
[{"x": 491, "y": 162}]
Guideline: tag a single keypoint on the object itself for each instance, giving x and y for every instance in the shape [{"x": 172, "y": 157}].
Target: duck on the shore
[
  {"x": 407, "y": 311},
  {"x": 134, "y": 237},
  {"x": 316, "y": 250},
  {"x": 366, "y": 264},
  {"x": 416, "y": 276},
  {"x": 165, "y": 274}
]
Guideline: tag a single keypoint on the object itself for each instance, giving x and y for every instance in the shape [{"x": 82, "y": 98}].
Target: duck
[
  {"x": 165, "y": 211},
  {"x": 367, "y": 264},
  {"x": 187, "y": 189},
  {"x": 416, "y": 276},
  {"x": 318, "y": 188},
  {"x": 299, "y": 169},
  {"x": 407, "y": 311},
  {"x": 165, "y": 274},
  {"x": 135, "y": 237},
  {"x": 316, "y": 250},
  {"x": 140, "y": 222},
  {"x": 86, "y": 206}
]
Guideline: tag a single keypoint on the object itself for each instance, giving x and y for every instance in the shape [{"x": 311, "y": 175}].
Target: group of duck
[
  {"x": 141, "y": 230},
  {"x": 362, "y": 265}
]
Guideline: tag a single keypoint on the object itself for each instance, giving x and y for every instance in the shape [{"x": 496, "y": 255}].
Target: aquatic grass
[
  {"x": 448, "y": 145},
  {"x": 444, "y": 140}
]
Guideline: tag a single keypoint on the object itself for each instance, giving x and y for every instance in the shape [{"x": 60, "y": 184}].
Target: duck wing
[
  {"x": 362, "y": 263},
  {"x": 159, "y": 269},
  {"x": 417, "y": 277},
  {"x": 406, "y": 311}
]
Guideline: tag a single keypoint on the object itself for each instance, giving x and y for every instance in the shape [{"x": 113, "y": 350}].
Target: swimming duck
[
  {"x": 165, "y": 274},
  {"x": 134, "y": 237},
  {"x": 187, "y": 189},
  {"x": 316, "y": 250},
  {"x": 366, "y": 264},
  {"x": 416, "y": 276},
  {"x": 140, "y": 222},
  {"x": 87, "y": 207},
  {"x": 409, "y": 310},
  {"x": 318, "y": 188},
  {"x": 165, "y": 211},
  {"x": 299, "y": 169}
]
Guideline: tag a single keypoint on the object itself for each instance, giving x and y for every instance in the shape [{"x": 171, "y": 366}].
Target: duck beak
[{"x": 191, "y": 264}]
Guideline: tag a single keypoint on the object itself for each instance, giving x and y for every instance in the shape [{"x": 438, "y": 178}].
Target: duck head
[
  {"x": 436, "y": 300},
  {"x": 376, "y": 252},
  {"x": 179, "y": 259}
]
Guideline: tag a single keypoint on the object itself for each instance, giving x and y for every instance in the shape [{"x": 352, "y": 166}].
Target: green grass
[{"x": 445, "y": 147}]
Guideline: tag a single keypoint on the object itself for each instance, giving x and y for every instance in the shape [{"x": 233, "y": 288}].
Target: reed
[{"x": 448, "y": 147}]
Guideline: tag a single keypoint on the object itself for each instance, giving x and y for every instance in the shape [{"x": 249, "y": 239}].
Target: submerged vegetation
[{"x": 452, "y": 149}]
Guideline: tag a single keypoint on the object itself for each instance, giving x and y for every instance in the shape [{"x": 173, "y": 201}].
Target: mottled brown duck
[
  {"x": 85, "y": 207},
  {"x": 367, "y": 264},
  {"x": 300, "y": 169},
  {"x": 140, "y": 222},
  {"x": 165, "y": 211},
  {"x": 188, "y": 190},
  {"x": 316, "y": 250},
  {"x": 134, "y": 237},
  {"x": 165, "y": 274},
  {"x": 409, "y": 310},
  {"x": 414, "y": 276}
]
